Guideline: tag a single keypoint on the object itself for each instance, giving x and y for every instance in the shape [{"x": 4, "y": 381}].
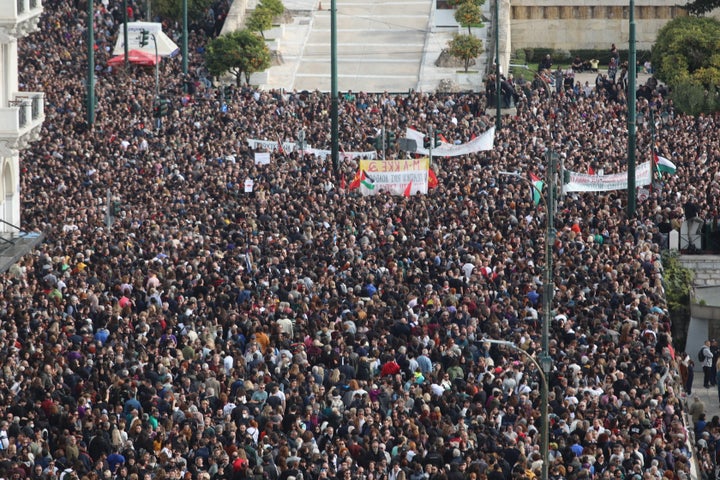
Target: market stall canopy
[
  {"x": 136, "y": 57},
  {"x": 165, "y": 46}
]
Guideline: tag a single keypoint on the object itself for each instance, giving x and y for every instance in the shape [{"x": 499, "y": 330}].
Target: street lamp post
[
  {"x": 548, "y": 292},
  {"x": 543, "y": 368}
]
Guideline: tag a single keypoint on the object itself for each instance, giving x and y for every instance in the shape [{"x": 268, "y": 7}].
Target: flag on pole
[
  {"x": 281, "y": 151},
  {"x": 537, "y": 187},
  {"x": 356, "y": 181},
  {"x": 663, "y": 165},
  {"x": 408, "y": 190},
  {"x": 432, "y": 179},
  {"x": 343, "y": 183},
  {"x": 442, "y": 138},
  {"x": 362, "y": 178},
  {"x": 366, "y": 181}
]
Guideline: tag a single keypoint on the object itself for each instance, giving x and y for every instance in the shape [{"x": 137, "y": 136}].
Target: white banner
[
  {"x": 582, "y": 182},
  {"x": 394, "y": 176},
  {"x": 270, "y": 145},
  {"x": 262, "y": 158},
  {"x": 478, "y": 144},
  {"x": 323, "y": 154}
]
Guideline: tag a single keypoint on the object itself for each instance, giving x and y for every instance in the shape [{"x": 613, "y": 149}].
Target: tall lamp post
[
  {"x": 548, "y": 291},
  {"x": 632, "y": 139},
  {"x": 543, "y": 367},
  {"x": 498, "y": 116}
]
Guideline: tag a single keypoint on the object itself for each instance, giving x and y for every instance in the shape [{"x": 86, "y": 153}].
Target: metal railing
[
  {"x": 35, "y": 107},
  {"x": 22, "y": 111}
]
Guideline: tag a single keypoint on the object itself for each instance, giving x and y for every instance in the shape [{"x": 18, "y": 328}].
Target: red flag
[
  {"x": 281, "y": 151},
  {"x": 591, "y": 170},
  {"x": 356, "y": 180},
  {"x": 432, "y": 179},
  {"x": 407, "y": 193},
  {"x": 343, "y": 183},
  {"x": 442, "y": 138},
  {"x": 473, "y": 137}
]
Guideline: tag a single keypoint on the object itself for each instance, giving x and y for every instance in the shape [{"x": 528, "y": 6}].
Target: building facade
[
  {"x": 568, "y": 24},
  {"x": 21, "y": 113}
]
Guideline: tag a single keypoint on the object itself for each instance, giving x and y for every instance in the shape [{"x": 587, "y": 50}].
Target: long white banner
[
  {"x": 272, "y": 146},
  {"x": 478, "y": 144},
  {"x": 582, "y": 182}
]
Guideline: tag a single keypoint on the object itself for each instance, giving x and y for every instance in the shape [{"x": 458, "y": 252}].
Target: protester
[{"x": 302, "y": 329}]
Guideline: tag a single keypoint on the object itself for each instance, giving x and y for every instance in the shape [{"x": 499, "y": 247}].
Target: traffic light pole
[
  {"x": 383, "y": 142},
  {"x": 185, "y": 39},
  {"x": 432, "y": 140}
]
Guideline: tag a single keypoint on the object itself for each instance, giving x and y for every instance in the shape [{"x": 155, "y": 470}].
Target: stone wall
[
  {"x": 579, "y": 24},
  {"x": 705, "y": 267}
]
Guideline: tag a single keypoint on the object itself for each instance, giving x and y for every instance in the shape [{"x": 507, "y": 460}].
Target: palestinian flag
[
  {"x": 663, "y": 165},
  {"x": 361, "y": 178},
  {"x": 537, "y": 187},
  {"x": 366, "y": 181}
]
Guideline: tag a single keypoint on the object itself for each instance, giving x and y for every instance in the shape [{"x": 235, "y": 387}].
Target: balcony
[
  {"x": 21, "y": 120},
  {"x": 19, "y": 17}
]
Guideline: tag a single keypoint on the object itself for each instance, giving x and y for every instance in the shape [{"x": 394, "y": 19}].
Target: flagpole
[{"x": 632, "y": 71}]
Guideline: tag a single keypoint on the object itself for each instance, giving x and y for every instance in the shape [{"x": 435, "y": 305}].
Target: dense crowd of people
[{"x": 304, "y": 331}]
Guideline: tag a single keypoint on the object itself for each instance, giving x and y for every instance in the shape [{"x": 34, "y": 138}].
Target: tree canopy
[
  {"x": 687, "y": 49},
  {"x": 259, "y": 20},
  {"x": 465, "y": 47},
  {"x": 701, "y": 7},
  {"x": 468, "y": 14},
  {"x": 239, "y": 53},
  {"x": 275, "y": 7},
  {"x": 197, "y": 9}
]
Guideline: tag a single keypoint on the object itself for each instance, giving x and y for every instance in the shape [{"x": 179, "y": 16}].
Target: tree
[
  {"x": 686, "y": 50},
  {"x": 468, "y": 14},
  {"x": 172, "y": 9},
  {"x": 465, "y": 47},
  {"x": 259, "y": 20},
  {"x": 276, "y": 7},
  {"x": 240, "y": 52},
  {"x": 701, "y": 7},
  {"x": 455, "y": 3}
]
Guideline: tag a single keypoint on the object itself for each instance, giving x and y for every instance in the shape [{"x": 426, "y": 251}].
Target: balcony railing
[
  {"x": 21, "y": 119},
  {"x": 14, "y": 12}
]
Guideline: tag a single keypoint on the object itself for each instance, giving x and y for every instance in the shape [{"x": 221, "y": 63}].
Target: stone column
[{"x": 505, "y": 36}]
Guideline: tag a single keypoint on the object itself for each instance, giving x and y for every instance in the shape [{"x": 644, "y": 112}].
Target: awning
[{"x": 136, "y": 57}]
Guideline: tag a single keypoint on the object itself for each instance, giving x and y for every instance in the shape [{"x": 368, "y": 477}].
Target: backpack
[{"x": 701, "y": 354}]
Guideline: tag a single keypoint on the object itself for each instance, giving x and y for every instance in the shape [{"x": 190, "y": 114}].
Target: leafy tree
[
  {"x": 701, "y": 7},
  {"x": 275, "y": 7},
  {"x": 239, "y": 53},
  {"x": 259, "y": 20},
  {"x": 686, "y": 50},
  {"x": 692, "y": 98},
  {"x": 172, "y": 9},
  {"x": 465, "y": 47},
  {"x": 455, "y": 3},
  {"x": 677, "y": 281},
  {"x": 468, "y": 14}
]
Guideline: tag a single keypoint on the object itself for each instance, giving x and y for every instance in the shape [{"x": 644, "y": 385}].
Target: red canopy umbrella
[{"x": 136, "y": 57}]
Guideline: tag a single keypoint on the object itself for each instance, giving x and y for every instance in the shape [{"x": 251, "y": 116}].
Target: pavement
[{"x": 382, "y": 46}]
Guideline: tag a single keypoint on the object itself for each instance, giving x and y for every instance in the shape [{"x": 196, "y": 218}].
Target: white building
[{"x": 21, "y": 113}]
